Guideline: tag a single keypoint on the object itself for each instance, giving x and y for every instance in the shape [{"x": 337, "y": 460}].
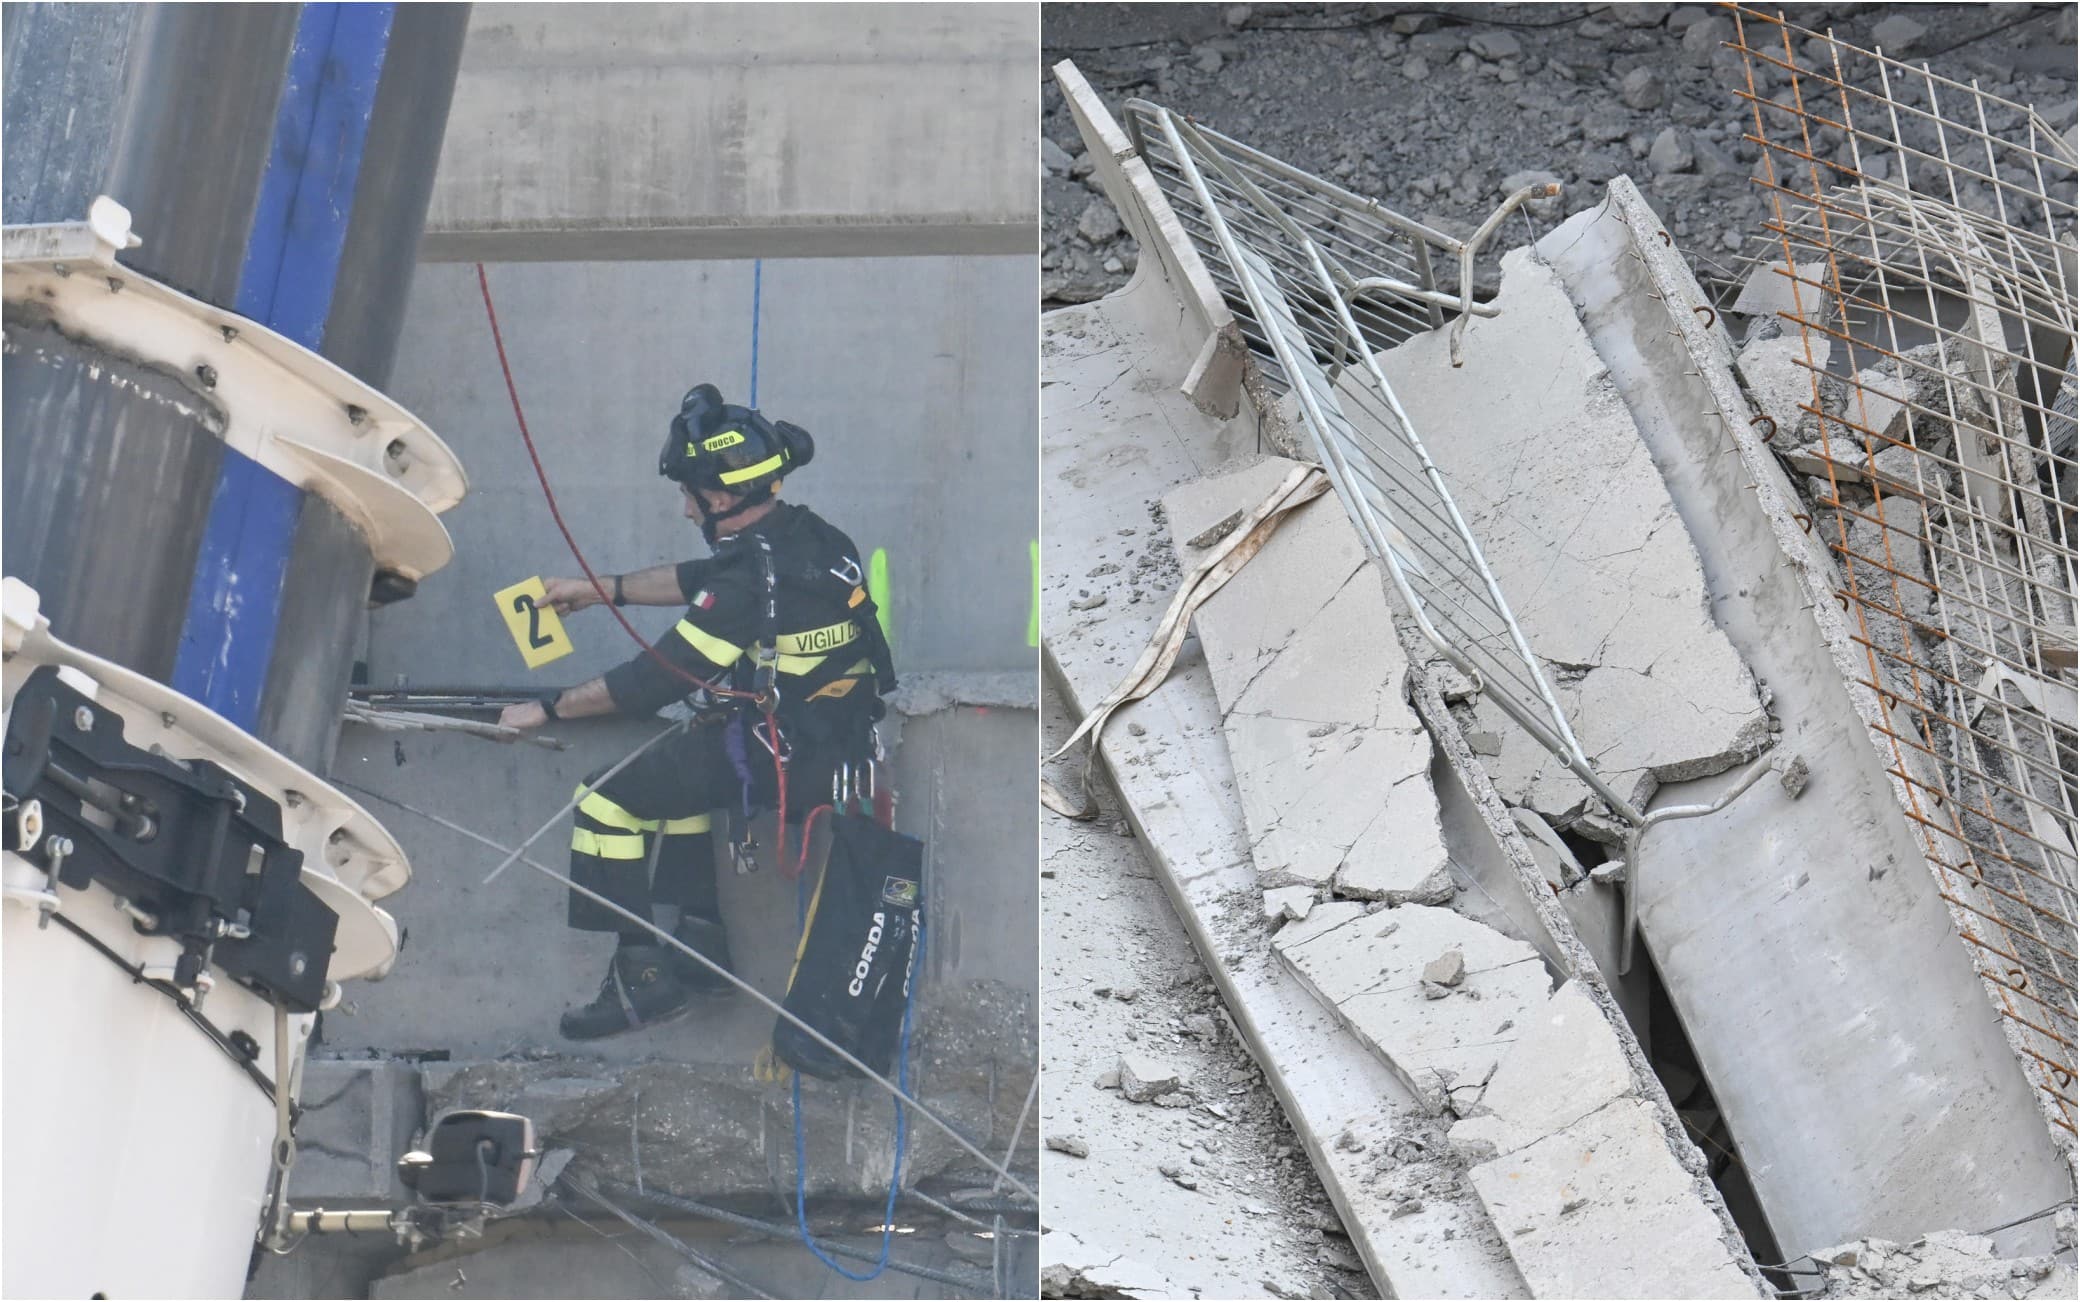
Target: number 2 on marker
[{"x": 535, "y": 628}]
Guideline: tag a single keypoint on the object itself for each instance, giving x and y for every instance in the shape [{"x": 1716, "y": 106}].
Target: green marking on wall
[
  {"x": 1033, "y": 619},
  {"x": 877, "y": 588}
]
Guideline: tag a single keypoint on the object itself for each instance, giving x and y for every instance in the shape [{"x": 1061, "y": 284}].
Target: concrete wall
[{"x": 639, "y": 130}]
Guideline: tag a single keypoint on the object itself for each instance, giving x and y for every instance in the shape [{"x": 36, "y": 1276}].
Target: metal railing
[
  {"x": 1386, "y": 263},
  {"x": 1927, "y": 232}
]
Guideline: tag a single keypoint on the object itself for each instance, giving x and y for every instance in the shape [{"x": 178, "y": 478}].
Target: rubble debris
[
  {"x": 1792, "y": 775},
  {"x": 1288, "y": 903},
  {"x": 1448, "y": 969},
  {"x": 1178, "y": 1176},
  {"x": 1899, "y": 36},
  {"x": 1069, "y": 1144},
  {"x": 1144, "y": 1080},
  {"x": 1214, "y": 533},
  {"x": 1945, "y": 1264}
]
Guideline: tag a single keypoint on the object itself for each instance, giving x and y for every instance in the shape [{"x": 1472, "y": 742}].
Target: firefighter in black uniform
[{"x": 779, "y": 611}]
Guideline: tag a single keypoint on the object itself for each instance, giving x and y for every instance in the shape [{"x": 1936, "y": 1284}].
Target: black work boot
[
  {"x": 641, "y": 990},
  {"x": 704, "y": 936}
]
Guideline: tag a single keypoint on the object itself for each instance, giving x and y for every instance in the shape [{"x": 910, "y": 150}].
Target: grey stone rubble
[
  {"x": 1945, "y": 1264},
  {"x": 1444, "y": 139}
]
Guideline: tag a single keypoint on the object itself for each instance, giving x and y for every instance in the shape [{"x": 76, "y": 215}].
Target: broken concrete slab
[
  {"x": 1288, "y": 903},
  {"x": 1566, "y": 1064},
  {"x": 1601, "y": 1209},
  {"x": 1549, "y": 469},
  {"x": 1120, "y": 441},
  {"x": 1769, "y": 292},
  {"x": 1069, "y": 1267},
  {"x": 1878, "y": 403},
  {"x": 1370, "y": 968},
  {"x": 1779, "y": 379},
  {"x": 1330, "y": 761},
  {"x": 1144, "y": 1079}
]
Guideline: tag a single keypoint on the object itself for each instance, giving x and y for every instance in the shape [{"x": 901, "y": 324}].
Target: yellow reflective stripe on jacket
[
  {"x": 721, "y": 652},
  {"x": 602, "y": 810},
  {"x": 751, "y": 472},
  {"x": 607, "y": 845},
  {"x": 817, "y": 641},
  {"x": 845, "y": 684}
]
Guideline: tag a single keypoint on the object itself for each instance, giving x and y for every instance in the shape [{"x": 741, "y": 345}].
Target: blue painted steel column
[{"x": 290, "y": 270}]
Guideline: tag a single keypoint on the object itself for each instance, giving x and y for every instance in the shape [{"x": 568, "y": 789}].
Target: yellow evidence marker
[{"x": 536, "y": 629}]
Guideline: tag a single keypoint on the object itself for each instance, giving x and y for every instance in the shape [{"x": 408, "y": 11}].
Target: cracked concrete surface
[
  {"x": 1601, "y": 1210},
  {"x": 1330, "y": 760},
  {"x": 1369, "y": 967},
  {"x": 1572, "y": 1166},
  {"x": 1403, "y": 1198},
  {"x": 1550, "y": 472}
]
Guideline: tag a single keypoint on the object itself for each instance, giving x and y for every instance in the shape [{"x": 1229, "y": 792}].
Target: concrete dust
[{"x": 1202, "y": 1191}]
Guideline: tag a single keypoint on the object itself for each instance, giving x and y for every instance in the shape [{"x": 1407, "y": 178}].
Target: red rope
[
  {"x": 780, "y": 781},
  {"x": 498, "y": 341},
  {"x": 801, "y": 862}
]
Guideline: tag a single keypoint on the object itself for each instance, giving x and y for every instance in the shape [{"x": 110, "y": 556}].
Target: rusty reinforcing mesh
[{"x": 1927, "y": 233}]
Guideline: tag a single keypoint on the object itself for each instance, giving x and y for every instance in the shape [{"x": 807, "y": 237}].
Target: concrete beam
[
  {"x": 1860, "y": 1068},
  {"x": 632, "y": 131}
]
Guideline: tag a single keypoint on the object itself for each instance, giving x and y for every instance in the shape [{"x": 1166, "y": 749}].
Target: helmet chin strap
[{"x": 711, "y": 525}]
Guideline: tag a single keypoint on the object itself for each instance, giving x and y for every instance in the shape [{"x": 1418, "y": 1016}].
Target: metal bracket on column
[
  {"x": 284, "y": 406},
  {"x": 348, "y": 859}
]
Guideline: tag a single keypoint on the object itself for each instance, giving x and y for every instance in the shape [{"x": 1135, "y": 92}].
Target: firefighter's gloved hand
[
  {"x": 525, "y": 715},
  {"x": 568, "y": 595}
]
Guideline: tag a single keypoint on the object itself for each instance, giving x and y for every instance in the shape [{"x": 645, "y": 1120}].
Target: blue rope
[
  {"x": 801, "y": 1159},
  {"x": 757, "y": 275}
]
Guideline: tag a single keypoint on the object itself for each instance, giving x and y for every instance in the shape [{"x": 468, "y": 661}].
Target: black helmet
[{"x": 721, "y": 446}]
